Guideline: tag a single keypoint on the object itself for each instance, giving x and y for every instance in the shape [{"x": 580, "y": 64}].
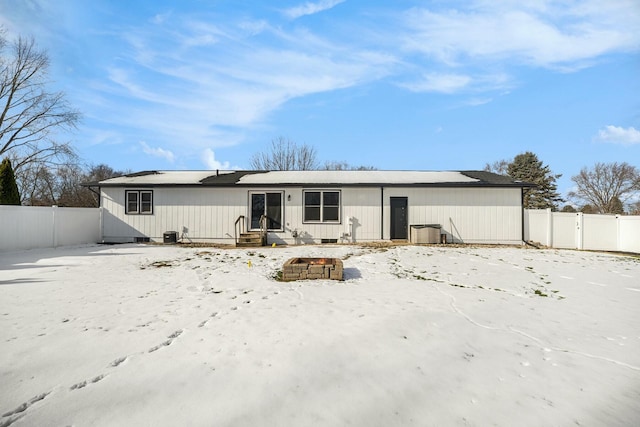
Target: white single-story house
[{"x": 300, "y": 207}]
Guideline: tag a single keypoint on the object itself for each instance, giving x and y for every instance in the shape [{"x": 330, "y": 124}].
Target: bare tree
[
  {"x": 37, "y": 185},
  {"x": 29, "y": 113},
  {"x": 62, "y": 185},
  {"x": 344, "y": 166},
  {"x": 606, "y": 186},
  {"x": 284, "y": 155},
  {"x": 500, "y": 167}
]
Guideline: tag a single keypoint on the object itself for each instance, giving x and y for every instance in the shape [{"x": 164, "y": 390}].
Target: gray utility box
[
  {"x": 425, "y": 233},
  {"x": 170, "y": 237}
]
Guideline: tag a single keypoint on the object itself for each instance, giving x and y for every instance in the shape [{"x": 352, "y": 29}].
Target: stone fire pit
[{"x": 312, "y": 268}]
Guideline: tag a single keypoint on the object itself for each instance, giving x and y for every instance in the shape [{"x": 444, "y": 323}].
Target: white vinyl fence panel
[
  {"x": 629, "y": 234},
  {"x": 600, "y": 232},
  {"x": 582, "y": 231},
  {"x": 564, "y": 230},
  {"x": 28, "y": 227}
]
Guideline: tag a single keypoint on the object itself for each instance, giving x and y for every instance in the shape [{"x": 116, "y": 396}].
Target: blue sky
[{"x": 433, "y": 85}]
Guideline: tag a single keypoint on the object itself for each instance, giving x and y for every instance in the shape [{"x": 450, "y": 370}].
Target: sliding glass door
[{"x": 268, "y": 204}]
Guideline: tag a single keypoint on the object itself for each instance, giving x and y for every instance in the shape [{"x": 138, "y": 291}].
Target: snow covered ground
[{"x": 162, "y": 335}]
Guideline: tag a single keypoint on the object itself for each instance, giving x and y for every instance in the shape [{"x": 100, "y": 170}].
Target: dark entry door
[{"x": 399, "y": 221}]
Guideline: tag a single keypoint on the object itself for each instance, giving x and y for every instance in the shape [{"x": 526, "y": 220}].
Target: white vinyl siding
[
  {"x": 205, "y": 214},
  {"x": 467, "y": 215},
  {"x": 208, "y": 214}
]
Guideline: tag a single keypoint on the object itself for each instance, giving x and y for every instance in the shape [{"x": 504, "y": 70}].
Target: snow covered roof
[
  {"x": 355, "y": 177},
  {"x": 161, "y": 178},
  {"x": 307, "y": 178}
]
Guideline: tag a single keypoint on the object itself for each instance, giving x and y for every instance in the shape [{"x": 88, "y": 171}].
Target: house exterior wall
[
  {"x": 360, "y": 203},
  {"x": 469, "y": 215},
  {"x": 466, "y": 215},
  {"x": 206, "y": 214}
]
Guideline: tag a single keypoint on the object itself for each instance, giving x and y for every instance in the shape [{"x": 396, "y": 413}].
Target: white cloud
[
  {"x": 546, "y": 34},
  {"x": 450, "y": 83},
  {"x": 619, "y": 135},
  {"x": 475, "y": 102},
  {"x": 443, "y": 83},
  {"x": 157, "y": 152},
  {"x": 309, "y": 8},
  {"x": 174, "y": 87},
  {"x": 210, "y": 161},
  {"x": 161, "y": 18}
]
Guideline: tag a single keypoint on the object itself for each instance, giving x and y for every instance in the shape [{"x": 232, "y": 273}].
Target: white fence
[
  {"x": 582, "y": 231},
  {"x": 27, "y": 227}
]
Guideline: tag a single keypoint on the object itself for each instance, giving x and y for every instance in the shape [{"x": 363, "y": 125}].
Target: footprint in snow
[
  {"x": 166, "y": 343},
  {"x": 118, "y": 361},
  {"x": 23, "y": 407},
  {"x": 83, "y": 384}
]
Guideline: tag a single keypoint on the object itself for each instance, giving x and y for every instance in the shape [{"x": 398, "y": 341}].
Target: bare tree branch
[
  {"x": 284, "y": 155},
  {"x": 606, "y": 185},
  {"x": 29, "y": 113}
]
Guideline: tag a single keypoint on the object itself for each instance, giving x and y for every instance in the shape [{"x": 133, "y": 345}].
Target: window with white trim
[
  {"x": 139, "y": 202},
  {"x": 321, "y": 206}
]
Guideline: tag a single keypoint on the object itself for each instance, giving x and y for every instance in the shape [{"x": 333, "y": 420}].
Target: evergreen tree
[
  {"x": 526, "y": 167},
  {"x": 9, "y": 194},
  {"x": 617, "y": 207}
]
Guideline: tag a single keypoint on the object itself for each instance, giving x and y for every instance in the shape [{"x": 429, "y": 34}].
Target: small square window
[
  {"x": 146, "y": 202},
  {"x": 132, "y": 202},
  {"x": 139, "y": 202}
]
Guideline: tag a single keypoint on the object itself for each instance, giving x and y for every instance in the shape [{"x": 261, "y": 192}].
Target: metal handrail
[
  {"x": 239, "y": 227},
  {"x": 263, "y": 229}
]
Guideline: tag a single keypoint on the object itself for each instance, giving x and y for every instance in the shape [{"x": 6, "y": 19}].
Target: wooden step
[
  {"x": 249, "y": 244},
  {"x": 250, "y": 240}
]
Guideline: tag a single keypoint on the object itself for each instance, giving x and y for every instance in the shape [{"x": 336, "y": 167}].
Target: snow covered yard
[{"x": 163, "y": 335}]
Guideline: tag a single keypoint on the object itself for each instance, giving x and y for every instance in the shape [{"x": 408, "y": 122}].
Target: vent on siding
[{"x": 328, "y": 240}]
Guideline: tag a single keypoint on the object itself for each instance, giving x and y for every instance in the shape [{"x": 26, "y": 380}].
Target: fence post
[
  {"x": 54, "y": 232},
  {"x": 549, "y": 242},
  {"x": 579, "y": 230},
  {"x": 617, "y": 232}
]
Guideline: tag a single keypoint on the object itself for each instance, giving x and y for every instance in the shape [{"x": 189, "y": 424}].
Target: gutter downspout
[{"x": 97, "y": 193}]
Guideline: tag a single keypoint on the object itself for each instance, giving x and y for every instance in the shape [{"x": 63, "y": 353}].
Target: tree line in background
[
  {"x": 284, "y": 154},
  {"x": 605, "y": 188},
  {"x": 37, "y": 169}
]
